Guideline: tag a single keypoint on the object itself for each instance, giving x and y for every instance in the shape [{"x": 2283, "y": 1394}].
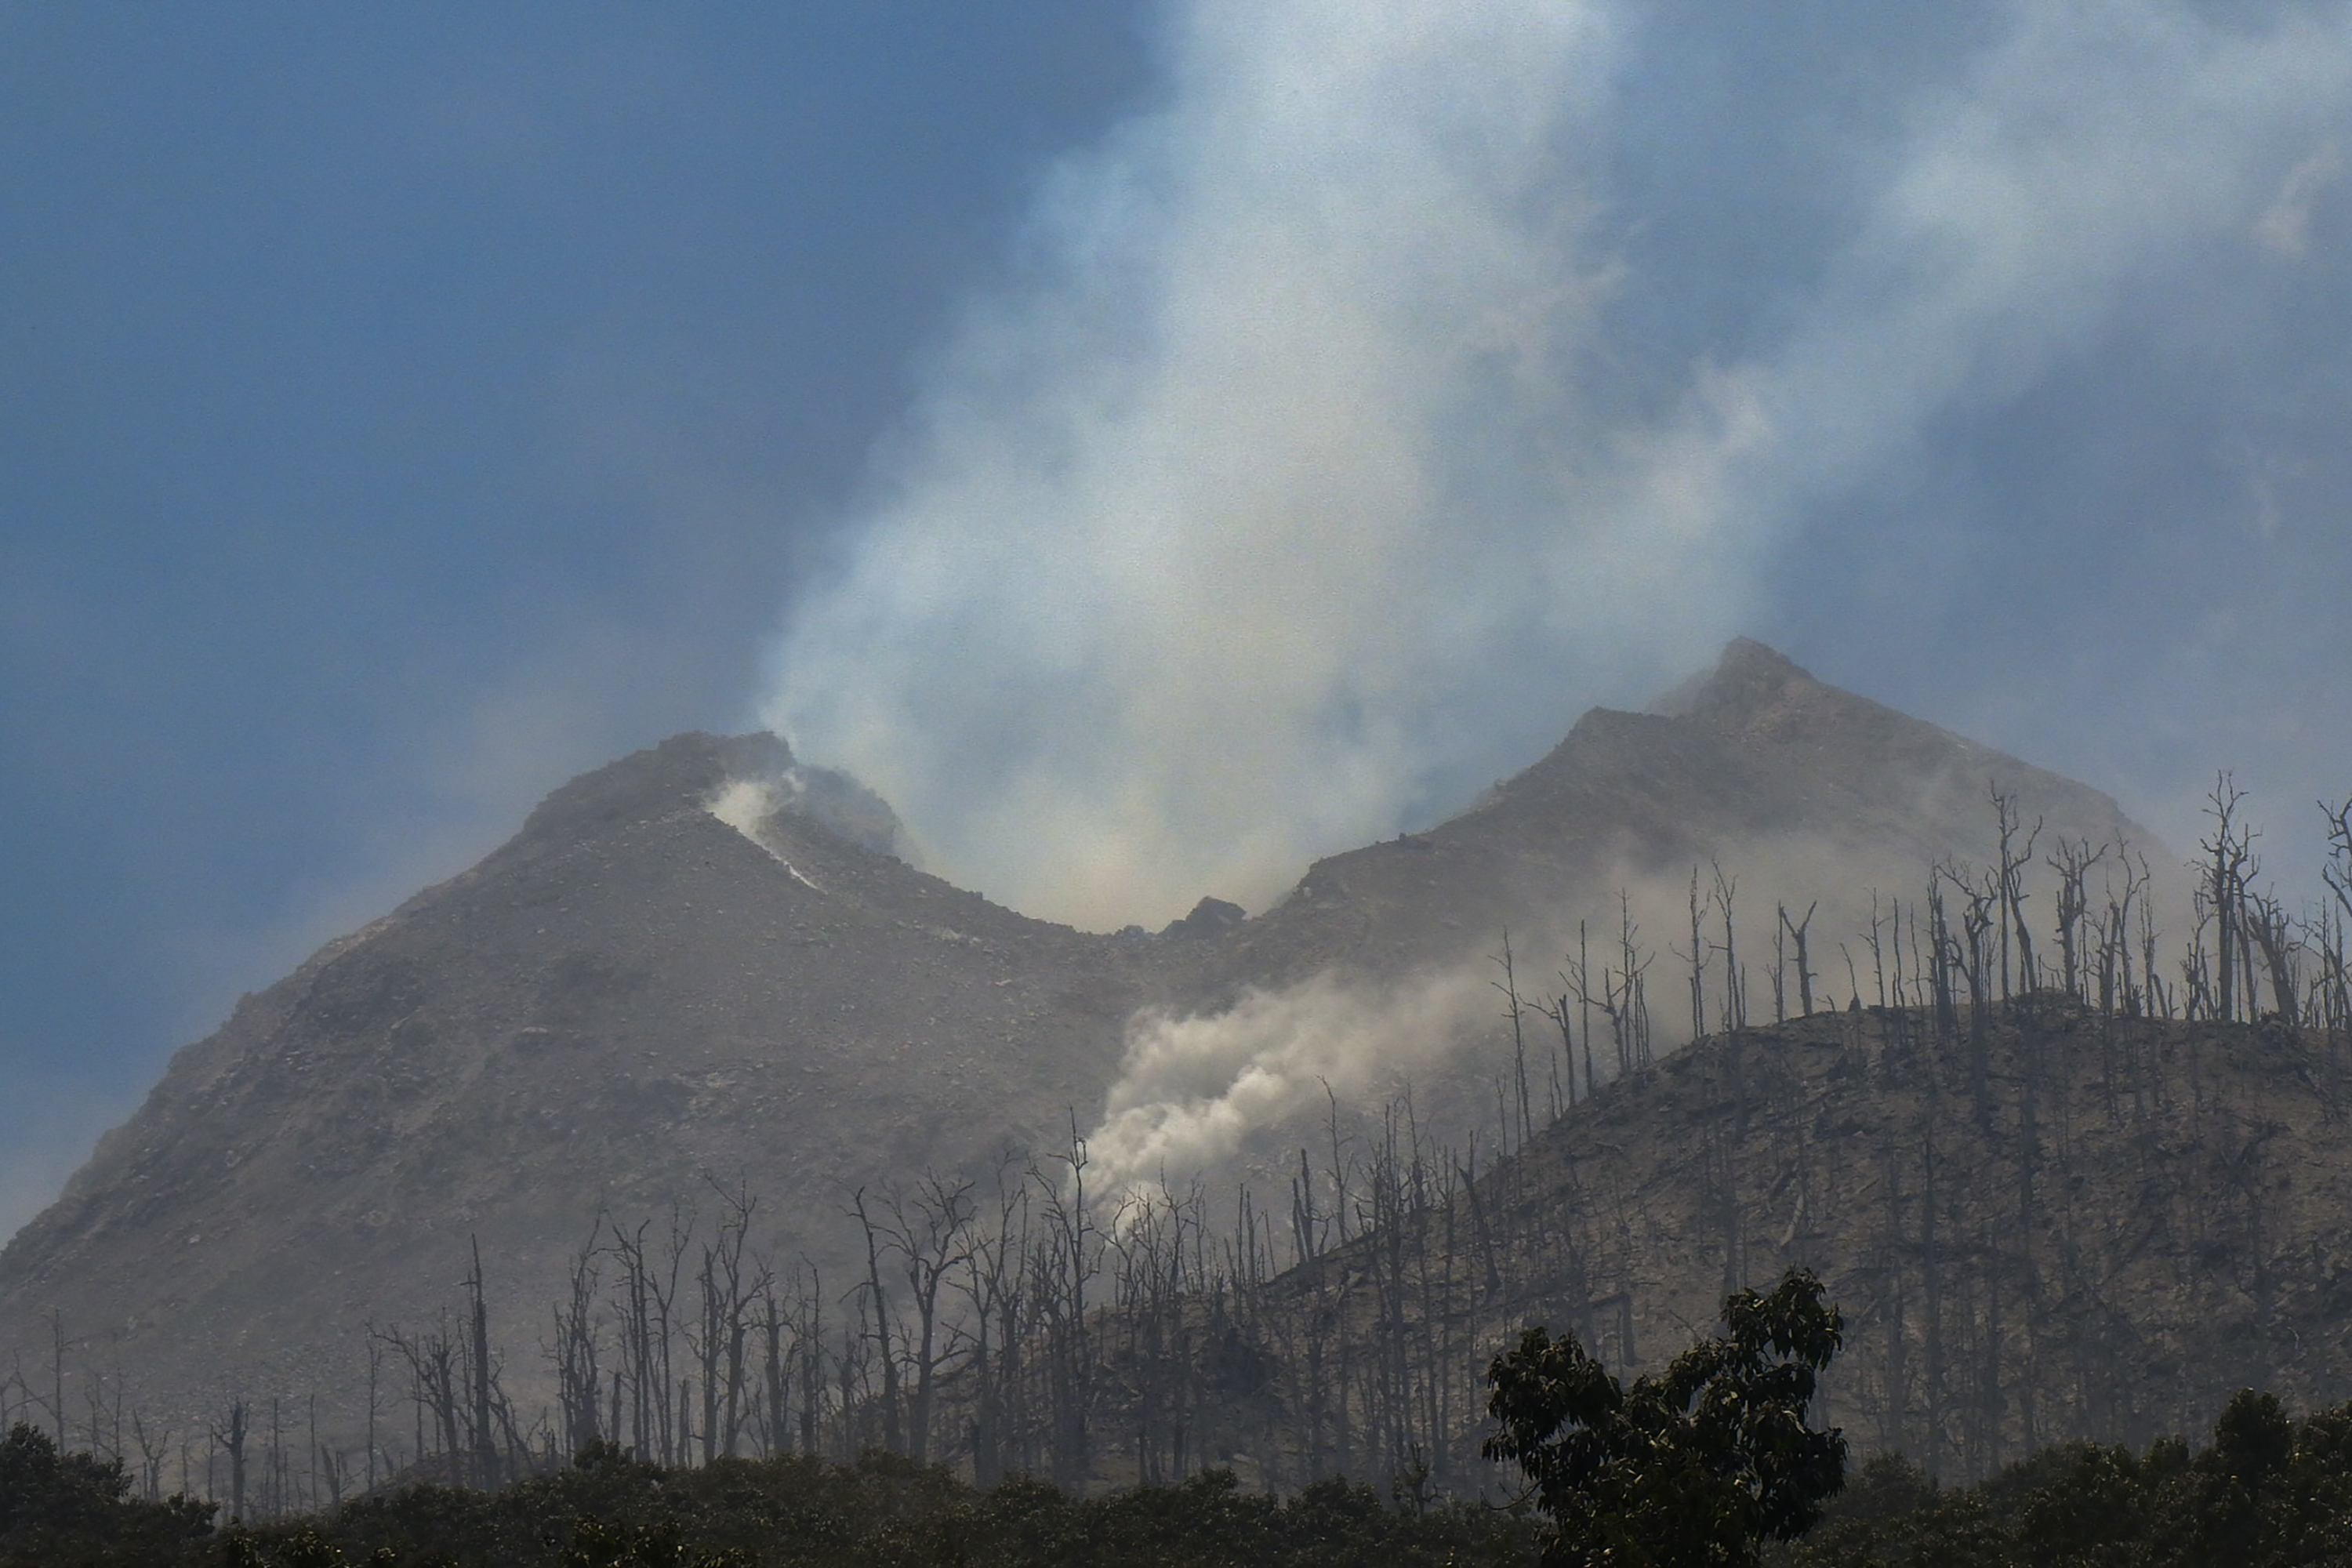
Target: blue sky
[{"x": 403, "y": 408}]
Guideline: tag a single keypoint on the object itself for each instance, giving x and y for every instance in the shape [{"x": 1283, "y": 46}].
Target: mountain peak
[
  {"x": 1748, "y": 682},
  {"x": 678, "y": 775},
  {"x": 689, "y": 771}
]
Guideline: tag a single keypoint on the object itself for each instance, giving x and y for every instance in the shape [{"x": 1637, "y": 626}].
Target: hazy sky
[{"x": 1165, "y": 440}]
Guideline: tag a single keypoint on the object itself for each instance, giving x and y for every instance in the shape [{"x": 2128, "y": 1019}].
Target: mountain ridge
[{"x": 632, "y": 999}]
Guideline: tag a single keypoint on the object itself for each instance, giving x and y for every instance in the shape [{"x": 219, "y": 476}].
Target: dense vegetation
[
  {"x": 1700, "y": 1465},
  {"x": 2269, "y": 1492},
  {"x": 608, "y": 1510}
]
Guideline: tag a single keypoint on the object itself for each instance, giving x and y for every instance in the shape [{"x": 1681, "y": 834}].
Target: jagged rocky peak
[
  {"x": 744, "y": 780},
  {"x": 836, "y": 802},
  {"x": 761, "y": 801},
  {"x": 1756, "y": 693},
  {"x": 1753, "y": 690},
  {"x": 1210, "y": 916},
  {"x": 1752, "y": 693},
  {"x": 682, "y": 773}
]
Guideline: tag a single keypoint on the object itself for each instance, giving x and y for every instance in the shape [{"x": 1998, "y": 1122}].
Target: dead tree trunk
[
  {"x": 1509, "y": 986},
  {"x": 930, "y": 1243},
  {"x": 1697, "y": 960},
  {"x": 2228, "y": 866},
  {"x": 486, "y": 1453},
  {"x": 881, "y": 1335},
  {"x": 2011, "y": 888},
  {"x": 2073, "y": 860},
  {"x": 578, "y": 1383},
  {"x": 231, "y": 1439},
  {"x": 1796, "y": 931}
]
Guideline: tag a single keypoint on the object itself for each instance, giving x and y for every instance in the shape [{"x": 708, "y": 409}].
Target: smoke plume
[
  {"x": 1191, "y": 1089},
  {"x": 1204, "y": 544},
  {"x": 1300, "y": 482}
]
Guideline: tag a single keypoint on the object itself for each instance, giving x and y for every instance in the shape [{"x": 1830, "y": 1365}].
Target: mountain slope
[
  {"x": 1801, "y": 790},
  {"x": 629, "y": 997},
  {"x": 2131, "y": 1220},
  {"x": 633, "y": 1000}
]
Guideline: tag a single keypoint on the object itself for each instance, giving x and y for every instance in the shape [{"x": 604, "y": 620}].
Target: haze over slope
[
  {"x": 1809, "y": 791},
  {"x": 629, "y": 996},
  {"x": 632, "y": 997},
  {"x": 1367, "y": 975},
  {"x": 2083, "y": 1223}
]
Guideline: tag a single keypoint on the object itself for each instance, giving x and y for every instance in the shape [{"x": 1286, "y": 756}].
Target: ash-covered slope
[
  {"x": 1800, "y": 790},
  {"x": 629, "y": 996},
  {"x": 633, "y": 999},
  {"x": 2101, "y": 1233}
]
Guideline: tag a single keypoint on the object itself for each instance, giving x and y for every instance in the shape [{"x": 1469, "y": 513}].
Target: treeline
[
  {"x": 605, "y": 1509},
  {"x": 2269, "y": 1492},
  {"x": 1005, "y": 1327}
]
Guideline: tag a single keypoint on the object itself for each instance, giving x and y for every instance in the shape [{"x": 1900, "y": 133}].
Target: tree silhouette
[{"x": 1698, "y": 1466}]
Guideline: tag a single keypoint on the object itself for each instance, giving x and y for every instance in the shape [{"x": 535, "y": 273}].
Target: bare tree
[
  {"x": 930, "y": 1242},
  {"x": 2270, "y": 931},
  {"x": 1065, "y": 1263},
  {"x": 1697, "y": 958},
  {"x": 574, "y": 1352},
  {"x": 2334, "y": 921},
  {"x": 2010, "y": 888},
  {"x": 646, "y": 1305},
  {"x": 2073, "y": 860},
  {"x": 1796, "y": 931},
  {"x": 1981, "y": 905},
  {"x": 728, "y": 1289},
  {"x": 2229, "y": 865},
  {"x": 875, "y": 1303},
  {"x": 1735, "y": 1003},
  {"x": 1557, "y": 1010},
  {"x": 992, "y": 1285},
  {"x": 151, "y": 1453},
  {"x": 1516, "y": 1013},
  {"x": 480, "y": 1374}
]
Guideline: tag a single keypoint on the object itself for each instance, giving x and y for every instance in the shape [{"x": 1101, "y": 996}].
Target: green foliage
[
  {"x": 1693, "y": 1468},
  {"x": 2269, "y": 1492},
  {"x": 63, "y": 1510},
  {"x": 609, "y": 1510},
  {"x": 1678, "y": 1469}
]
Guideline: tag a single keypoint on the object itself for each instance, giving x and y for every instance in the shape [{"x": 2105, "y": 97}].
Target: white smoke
[
  {"x": 1191, "y": 1089},
  {"x": 2286, "y": 224},
  {"x": 1198, "y": 549},
  {"x": 744, "y": 804},
  {"x": 1223, "y": 1098},
  {"x": 747, "y": 805},
  {"x": 1292, "y": 481},
  {"x": 2073, "y": 170}
]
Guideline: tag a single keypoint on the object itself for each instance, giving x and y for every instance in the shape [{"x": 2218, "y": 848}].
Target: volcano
[{"x": 703, "y": 968}]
